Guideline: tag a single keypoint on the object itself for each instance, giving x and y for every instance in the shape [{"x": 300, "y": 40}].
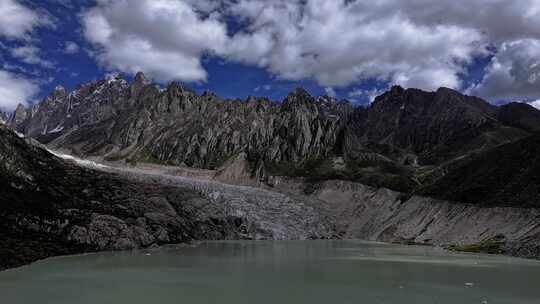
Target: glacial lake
[{"x": 275, "y": 272}]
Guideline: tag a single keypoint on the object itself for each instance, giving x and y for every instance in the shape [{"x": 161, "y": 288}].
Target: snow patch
[
  {"x": 58, "y": 128},
  {"x": 19, "y": 134},
  {"x": 81, "y": 162},
  {"x": 74, "y": 94}
]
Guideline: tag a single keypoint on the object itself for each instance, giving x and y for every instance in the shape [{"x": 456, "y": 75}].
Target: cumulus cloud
[
  {"x": 368, "y": 94},
  {"x": 330, "y": 92},
  {"x": 30, "y": 54},
  {"x": 535, "y": 104},
  {"x": 17, "y": 24},
  {"x": 338, "y": 43},
  {"x": 71, "y": 47},
  {"x": 15, "y": 89},
  {"x": 500, "y": 20},
  {"x": 18, "y": 21},
  {"x": 265, "y": 87},
  {"x": 513, "y": 73},
  {"x": 164, "y": 38},
  {"x": 414, "y": 43}
]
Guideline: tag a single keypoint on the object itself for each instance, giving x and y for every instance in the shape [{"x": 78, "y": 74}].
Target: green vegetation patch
[
  {"x": 491, "y": 246},
  {"x": 373, "y": 173}
]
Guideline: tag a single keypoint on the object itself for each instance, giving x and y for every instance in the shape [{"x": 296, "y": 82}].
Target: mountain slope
[
  {"x": 403, "y": 140},
  {"x": 46, "y": 203},
  {"x": 506, "y": 175},
  {"x": 434, "y": 126},
  {"x": 520, "y": 115},
  {"x": 49, "y": 206}
]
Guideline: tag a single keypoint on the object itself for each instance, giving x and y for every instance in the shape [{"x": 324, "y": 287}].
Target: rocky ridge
[
  {"x": 405, "y": 140},
  {"x": 461, "y": 171},
  {"x": 57, "y": 204}
]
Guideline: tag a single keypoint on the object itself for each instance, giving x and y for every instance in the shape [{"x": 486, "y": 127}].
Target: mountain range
[
  {"x": 438, "y": 168},
  {"x": 407, "y": 139}
]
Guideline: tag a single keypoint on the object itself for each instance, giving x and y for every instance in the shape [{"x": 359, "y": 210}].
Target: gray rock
[{"x": 383, "y": 215}]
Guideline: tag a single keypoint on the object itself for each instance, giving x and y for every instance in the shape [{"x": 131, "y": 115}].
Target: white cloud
[
  {"x": 164, "y": 38},
  {"x": 337, "y": 43},
  {"x": 416, "y": 43},
  {"x": 368, "y": 95},
  {"x": 330, "y": 92},
  {"x": 513, "y": 73},
  {"x": 265, "y": 87},
  {"x": 71, "y": 47},
  {"x": 30, "y": 54},
  {"x": 15, "y": 89},
  {"x": 356, "y": 92},
  {"x": 18, "y": 21},
  {"x": 14, "y": 68},
  {"x": 535, "y": 104}
]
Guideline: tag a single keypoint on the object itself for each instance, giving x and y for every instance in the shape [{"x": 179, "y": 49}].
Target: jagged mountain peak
[
  {"x": 20, "y": 107},
  {"x": 520, "y": 115},
  {"x": 180, "y": 88},
  {"x": 398, "y": 98},
  {"x": 447, "y": 90},
  {"x": 140, "y": 78},
  {"x": 59, "y": 89},
  {"x": 4, "y": 117},
  {"x": 139, "y": 83},
  {"x": 396, "y": 90},
  {"x": 114, "y": 119},
  {"x": 298, "y": 98},
  {"x": 299, "y": 93},
  {"x": 58, "y": 93}
]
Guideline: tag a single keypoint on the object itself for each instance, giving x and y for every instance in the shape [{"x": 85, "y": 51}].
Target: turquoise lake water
[{"x": 275, "y": 272}]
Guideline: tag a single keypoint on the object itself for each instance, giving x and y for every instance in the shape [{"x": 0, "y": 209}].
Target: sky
[{"x": 350, "y": 49}]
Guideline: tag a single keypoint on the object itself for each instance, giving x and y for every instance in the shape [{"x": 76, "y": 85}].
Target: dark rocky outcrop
[
  {"x": 50, "y": 206},
  {"x": 4, "y": 117},
  {"x": 432, "y": 126},
  {"x": 19, "y": 118},
  {"x": 508, "y": 175},
  {"x": 520, "y": 115}
]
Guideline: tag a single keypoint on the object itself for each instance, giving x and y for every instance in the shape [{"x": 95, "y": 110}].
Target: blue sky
[{"x": 353, "y": 50}]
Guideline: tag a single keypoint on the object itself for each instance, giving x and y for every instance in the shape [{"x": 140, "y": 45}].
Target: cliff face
[
  {"x": 176, "y": 125},
  {"x": 384, "y": 215}
]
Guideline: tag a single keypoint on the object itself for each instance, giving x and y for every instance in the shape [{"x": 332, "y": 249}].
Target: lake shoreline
[{"x": 199, "y": 242}]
